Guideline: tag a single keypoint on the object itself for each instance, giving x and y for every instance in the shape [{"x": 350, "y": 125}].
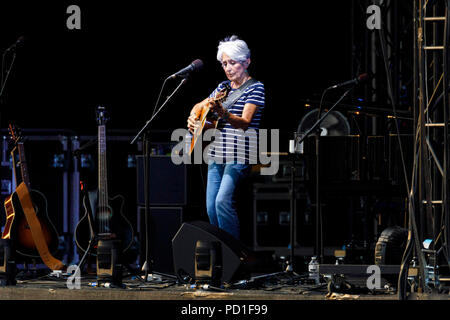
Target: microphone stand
[
  {"x": 3, "y": 81},
  {"x": 293, "y": 220},
  {"x": 3, "y": 84},
  {"x": 145, "y": 132},
  {"x": 314, "y": 128}
]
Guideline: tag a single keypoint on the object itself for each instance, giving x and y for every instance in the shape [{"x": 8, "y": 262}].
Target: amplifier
[
  {"x": 272, "y": 216},
  {"x": 396, "y": 174},
  {"x": 168, "y": 182},
  {"x": 339, "y": 157},
  {"x": 163, "y": 224}
]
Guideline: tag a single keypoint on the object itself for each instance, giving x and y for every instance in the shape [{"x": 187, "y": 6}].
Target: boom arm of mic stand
[
  {"x": 156, "y": 113},
  {"x": 318, "y": 122}
]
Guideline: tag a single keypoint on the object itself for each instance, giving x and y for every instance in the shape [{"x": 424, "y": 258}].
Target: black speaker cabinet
[
  {"x": 235, "y": 256},
  {"x": 168, "y": 182},
  {"x": 395, "y": 163},
  {"x": 163, "y": 224},
  {"x": 338, "y": 157}
]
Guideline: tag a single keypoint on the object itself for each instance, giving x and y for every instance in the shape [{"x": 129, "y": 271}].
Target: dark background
[{"x": 125, "y": 50}]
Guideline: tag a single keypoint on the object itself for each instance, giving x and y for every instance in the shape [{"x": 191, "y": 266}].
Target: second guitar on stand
[{"x": 107, "y": 221}]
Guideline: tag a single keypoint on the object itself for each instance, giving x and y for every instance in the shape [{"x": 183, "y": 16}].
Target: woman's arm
[{"x": 237, "y": 122}]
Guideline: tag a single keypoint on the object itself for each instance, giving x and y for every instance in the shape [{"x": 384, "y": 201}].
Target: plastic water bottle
[{"x": 313, "y": 269}]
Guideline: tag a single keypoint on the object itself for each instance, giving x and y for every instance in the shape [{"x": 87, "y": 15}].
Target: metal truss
[{"x": 429, "y": 198}]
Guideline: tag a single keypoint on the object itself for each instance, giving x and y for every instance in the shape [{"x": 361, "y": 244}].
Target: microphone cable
[{"x": 159, "y": 97}]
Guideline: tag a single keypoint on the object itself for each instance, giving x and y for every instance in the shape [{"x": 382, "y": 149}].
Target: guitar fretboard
[
  {"x": 103, "y": 212},
  {"x": 23, "y": 164}
]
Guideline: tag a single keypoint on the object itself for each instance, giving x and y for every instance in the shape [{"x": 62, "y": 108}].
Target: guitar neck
[
  {"x": 102, "y": 174},
  {"x": 23, "y": 164}
]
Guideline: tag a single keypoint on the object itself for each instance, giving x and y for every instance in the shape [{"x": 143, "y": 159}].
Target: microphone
[
  {"x": 358, "y": 79},
  {"x": 195, "y": 65},
  {"x": 18, "y": 42}
]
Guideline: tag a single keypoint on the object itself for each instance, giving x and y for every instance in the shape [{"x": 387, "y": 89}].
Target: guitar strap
[
  {"x": 232, "y": 98},
  {"x": 36, "y": 229}
]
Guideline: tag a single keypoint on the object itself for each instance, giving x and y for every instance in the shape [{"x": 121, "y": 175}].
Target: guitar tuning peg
[{"x": 102, "y": 116}]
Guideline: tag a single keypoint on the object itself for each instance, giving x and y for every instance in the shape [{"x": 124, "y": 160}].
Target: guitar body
[
  {"x": 202, "y": 116},
  {"x": 18, "y": 230},
  {"x": 119, "y": 227}
]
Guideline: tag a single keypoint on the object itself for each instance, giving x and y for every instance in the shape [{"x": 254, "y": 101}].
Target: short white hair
[{"x": 233, "y": 47}]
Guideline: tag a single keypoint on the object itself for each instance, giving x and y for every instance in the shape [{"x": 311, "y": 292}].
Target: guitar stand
[
  {"x": 8, "y": 269},
  {"x": 109, "y": 269},
  {"x": 86, "y": 253}
]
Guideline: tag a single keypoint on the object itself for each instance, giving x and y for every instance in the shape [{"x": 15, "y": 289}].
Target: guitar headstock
[
  {"x": 15, "y": 133},
  {"x": 222, "y": 94},
  {"x": 102, "y": 116}
]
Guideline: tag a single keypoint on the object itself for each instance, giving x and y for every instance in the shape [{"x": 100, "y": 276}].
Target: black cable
[
  {"x": 408, "y": 253},
  {"x": 445, "y": 212},
  {"x": 3, "y": 85},
  {"x": 3, "y": 69},
  {"x": 159, "y": 97},
  {"x": 394, "y": 109},
  {"x": 412, "y": 224},
  {"x": 320, "y": 104}
]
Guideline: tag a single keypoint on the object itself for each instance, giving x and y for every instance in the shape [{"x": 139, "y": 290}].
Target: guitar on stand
[
  {"x": 28, "y": 230},
  {"x": 104, "y": 232}
]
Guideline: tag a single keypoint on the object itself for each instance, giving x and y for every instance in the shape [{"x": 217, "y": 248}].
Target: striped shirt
[{"x": 238, "y": 145}]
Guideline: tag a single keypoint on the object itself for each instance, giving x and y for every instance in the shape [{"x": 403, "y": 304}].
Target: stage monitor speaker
[
  {"x": 164, "y": 223},
  {"x": 235, "y": 259}
]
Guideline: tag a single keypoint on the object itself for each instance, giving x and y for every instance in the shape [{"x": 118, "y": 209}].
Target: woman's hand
[
  {"x": 192, "y": 122},
  {"x": 217, "y": 108}
]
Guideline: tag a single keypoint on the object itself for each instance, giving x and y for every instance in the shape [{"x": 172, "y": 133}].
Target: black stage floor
[
  {"x": 277, "y": 296},
  {"x": 273, "y": 287}
]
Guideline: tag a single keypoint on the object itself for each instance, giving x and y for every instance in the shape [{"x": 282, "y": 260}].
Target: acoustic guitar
[
  {"x": 27, "y": 222},
  {"x": 103, "y": 216},
  {"x": 203, "y": 114}
]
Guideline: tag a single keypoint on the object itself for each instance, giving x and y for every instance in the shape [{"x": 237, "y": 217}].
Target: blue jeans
[{"x": 220, "y": 195}]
